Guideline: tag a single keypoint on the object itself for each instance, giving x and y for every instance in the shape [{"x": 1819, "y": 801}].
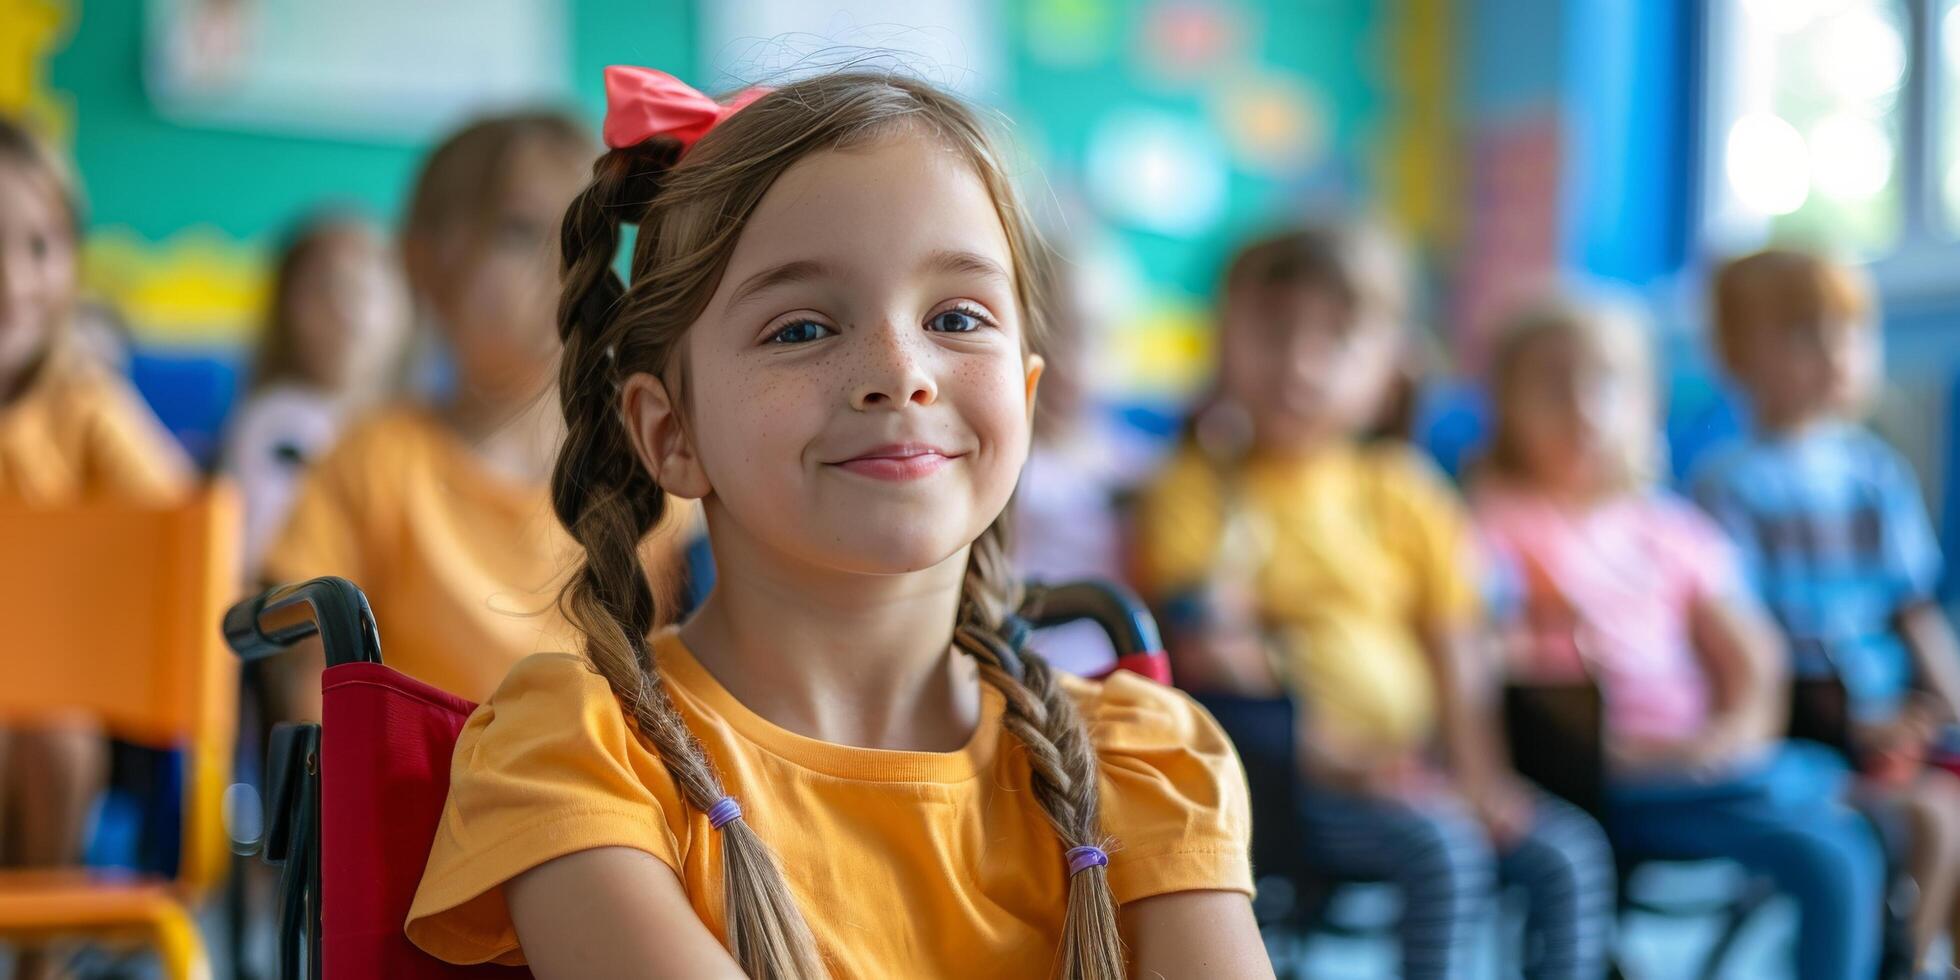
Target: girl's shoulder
[
  {"x": 1174, "y": 796},
  {"x": 1667, "y": 512},
  {"x": 1126, "y": 708},
  {"x": 400, "y": 425},
  {"x": 98, "y": 417},
  {"x": 72, "y": 388},
  {"x": 554, "y": 731}
]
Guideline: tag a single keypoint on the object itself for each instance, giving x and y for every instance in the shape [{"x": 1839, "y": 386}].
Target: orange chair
[{"x": 106, "y": 611}]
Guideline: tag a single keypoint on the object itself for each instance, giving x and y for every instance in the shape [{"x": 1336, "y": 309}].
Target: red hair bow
[{"x": 642, "y": 103}]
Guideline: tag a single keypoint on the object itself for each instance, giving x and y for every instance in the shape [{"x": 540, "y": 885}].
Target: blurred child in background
[
  {"x": 1835, "y": 535},
  {"x": 1636, "y": 589},
  {"x": 1293, "y": 556},
  {"x": 70, "y": 432},
  {"x": 332, "y": 345},
  {"x": 440, "y": 511},
  {"x": 1080, "y": 470}
]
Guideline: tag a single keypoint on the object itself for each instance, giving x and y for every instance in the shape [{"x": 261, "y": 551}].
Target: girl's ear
[
  {"x": 1035, "y": 366},
  {"x": 659, "y": 439}
]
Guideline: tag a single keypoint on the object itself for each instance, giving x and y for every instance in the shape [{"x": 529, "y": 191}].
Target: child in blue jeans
[
  {"x": 1633, "y": 588},
  {"x": 1835, "y": 534}
]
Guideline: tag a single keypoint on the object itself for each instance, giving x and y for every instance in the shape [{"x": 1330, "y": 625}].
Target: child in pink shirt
[
  {"x": 1609, "y": 592},
  {"x": 1630, "y": 586}
]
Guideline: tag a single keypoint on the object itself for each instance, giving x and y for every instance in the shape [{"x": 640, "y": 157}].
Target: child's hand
[
  {"x": 1704, "y": 756},
  {"x": 1504, "y": 808},
  {"x": 1330, "y": 760},
  {"x": 1634, "y": 756},
  {"x": 1912, "y": 728},
  {"x": 1893, "y": 751}
]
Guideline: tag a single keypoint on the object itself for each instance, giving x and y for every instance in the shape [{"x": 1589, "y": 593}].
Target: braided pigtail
[
  {"x": 609, "y": 503},
  {"x": 1063, "y": 759}
]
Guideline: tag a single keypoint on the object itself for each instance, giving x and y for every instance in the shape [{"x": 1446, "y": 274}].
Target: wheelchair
[{"x": 352, "y": 802}]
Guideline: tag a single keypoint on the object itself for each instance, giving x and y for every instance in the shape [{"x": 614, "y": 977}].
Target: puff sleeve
[{"x": 549, "y": 766}]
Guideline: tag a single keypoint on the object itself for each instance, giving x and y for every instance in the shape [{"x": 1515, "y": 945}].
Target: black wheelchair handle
[
  {"x": 281, "y": 616},
  {"x": 1120, "y": 614}
]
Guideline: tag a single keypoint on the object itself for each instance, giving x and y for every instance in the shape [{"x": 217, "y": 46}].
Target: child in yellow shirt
[
  {"x": 1293, "y": 557},
  {"x": 842, "y": 764},
  {"x": 439, "y": 510},
  {"x": 69, "y": 432}
]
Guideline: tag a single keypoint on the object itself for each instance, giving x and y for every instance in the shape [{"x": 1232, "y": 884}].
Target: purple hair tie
[
  {"x": 724, "y": 810},
  {"x": 1083, "y": 858}
]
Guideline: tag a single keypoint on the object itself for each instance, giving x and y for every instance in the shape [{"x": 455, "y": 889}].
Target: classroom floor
[{"x": 1650, "y": 947}]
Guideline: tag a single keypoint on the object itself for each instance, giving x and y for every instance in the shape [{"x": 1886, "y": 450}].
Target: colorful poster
[{"x": 363, "y": 69}]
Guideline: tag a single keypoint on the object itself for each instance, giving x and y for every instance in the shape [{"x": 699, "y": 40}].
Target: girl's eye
[
  {"x": 957, "y": 320},
  {"x": 800, "y": 332},
  {"x": 37, "y": 246}
]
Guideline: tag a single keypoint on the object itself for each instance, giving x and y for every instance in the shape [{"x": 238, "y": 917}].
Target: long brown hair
[
  {"x": 279, "y": 357},
  {"x": 691, "y": 212},
  {"x": 22, "y": 148}
]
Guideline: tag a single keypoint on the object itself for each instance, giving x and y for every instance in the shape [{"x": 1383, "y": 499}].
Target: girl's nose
[{"x": 895, "y": 372}]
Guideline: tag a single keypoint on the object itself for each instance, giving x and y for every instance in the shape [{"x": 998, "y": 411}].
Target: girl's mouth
[{"x": 898, "y": 462}]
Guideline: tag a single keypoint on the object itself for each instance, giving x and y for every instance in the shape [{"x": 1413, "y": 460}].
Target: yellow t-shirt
[
  {"x": 461, "y": 565},
  {"x": 906, "y": 864},
  {"x": 78, "y": 434},
  {"x": 1351, "y": 551}
]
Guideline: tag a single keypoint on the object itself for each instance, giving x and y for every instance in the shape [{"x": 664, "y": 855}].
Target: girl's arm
[
  {"x": 612, "y": 912},
  {"x": 1936, "y": 651},
  {"x": 1193, "y": 934},
  {"x": 1467, "y": 688},
  {"x": 1744, "y": 657}
]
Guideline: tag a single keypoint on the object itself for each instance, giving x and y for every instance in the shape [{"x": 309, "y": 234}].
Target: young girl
[
  {"x": 440, "y": 511},
  {"x": 332, "y": 343},
  {"x": 69, "y": 433},
  {"x": 840, "y": 764},
  {"x": 1636, "y": 589},
  {"x": 1296, "y": 559}
]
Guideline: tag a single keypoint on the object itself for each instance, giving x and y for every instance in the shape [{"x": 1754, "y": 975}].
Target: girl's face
[
  {"x": 491, "y": 276},
  {"x": 37, "y": 268},
  {"x": 1577, "y": 413},
  {"x": 856, "y": 393},
  {"x": 1308, "y": 366},
  {"x": 349, "y": 309}
]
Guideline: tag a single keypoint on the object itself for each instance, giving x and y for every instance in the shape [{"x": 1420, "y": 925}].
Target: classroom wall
[
  {"x": 1261, "y": 111},
  {"x": 204, "y": 204},
  {"x": 182, "y": 218}
]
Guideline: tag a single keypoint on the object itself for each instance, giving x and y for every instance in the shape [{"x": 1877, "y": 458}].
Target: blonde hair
[
  {"x": 691, "y": 212},
  {"x": 21, "y": 147},
  {"x": 1779, "y": 287},
  {"x": 1615, "y": 334}
]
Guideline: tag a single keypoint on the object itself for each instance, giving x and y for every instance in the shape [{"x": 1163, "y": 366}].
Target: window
[
  {"x": 1812, "y": 123},
  {"x": 1948, "y": 69}
]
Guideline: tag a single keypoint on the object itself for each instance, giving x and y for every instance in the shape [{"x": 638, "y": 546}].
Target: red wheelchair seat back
[
  {"x": 384, "y": 775},
  {"x": 384, "y": 778}
]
